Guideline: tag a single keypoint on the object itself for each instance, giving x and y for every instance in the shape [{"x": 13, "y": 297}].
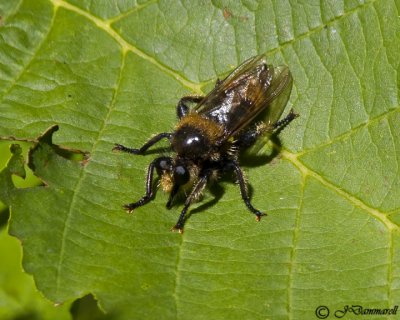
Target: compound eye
[
  {"x": 181, "y": 175},
  {"x": 163, "y": 164}
]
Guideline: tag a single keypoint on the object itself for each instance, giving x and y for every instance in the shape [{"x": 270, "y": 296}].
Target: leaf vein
[
  {"x": 29, "y": 62},
  {"x": 356, "y": 201},
  {"x": 352, "y": 131},
  {"x": 78, "y": 184},
  {"x": 125, "y": 45}
]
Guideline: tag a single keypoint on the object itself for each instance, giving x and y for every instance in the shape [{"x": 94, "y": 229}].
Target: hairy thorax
[{"x": 196, "y": 137}]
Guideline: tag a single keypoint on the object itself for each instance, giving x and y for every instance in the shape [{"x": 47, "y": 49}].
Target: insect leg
[
  {"x": 279, "y": 125},
  {"x": 182, "y": 108},
  {"x": 250, "y": 136},
  {"x": 197, "y": 188},
  {"x": 244, "y": 192},
  {"x": 158, "y": 164},
  {"x": 148, "y": 144}
]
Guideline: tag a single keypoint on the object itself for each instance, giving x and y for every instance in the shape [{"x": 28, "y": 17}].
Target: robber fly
[{"x": 209, "y": 136}]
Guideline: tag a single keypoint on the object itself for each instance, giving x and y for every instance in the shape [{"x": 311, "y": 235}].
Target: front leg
[
  {"x": 148, "y": 144},
  {"x": 197, "y": 188},
  {"x": 182, "y": 109},
  {"x": 159, "y": 164}
]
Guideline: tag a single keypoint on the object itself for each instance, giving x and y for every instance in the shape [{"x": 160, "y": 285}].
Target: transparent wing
[
  {"x": 247, "y": 91},
  {"x": 278, "y": 94}
]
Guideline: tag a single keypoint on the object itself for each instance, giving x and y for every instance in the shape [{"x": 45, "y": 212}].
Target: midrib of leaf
[{"x": 82, "y": 176}]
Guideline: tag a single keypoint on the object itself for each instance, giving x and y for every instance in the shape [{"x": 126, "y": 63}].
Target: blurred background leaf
[{"x": 19, "y": 298}]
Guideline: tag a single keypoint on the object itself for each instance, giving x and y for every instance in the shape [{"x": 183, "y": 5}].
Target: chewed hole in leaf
[
  {"x": 87, "y": 308},
  {"x": 45, "y": 141}
]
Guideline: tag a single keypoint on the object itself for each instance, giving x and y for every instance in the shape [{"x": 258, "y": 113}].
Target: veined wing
[{"x": 246, "y": 92}]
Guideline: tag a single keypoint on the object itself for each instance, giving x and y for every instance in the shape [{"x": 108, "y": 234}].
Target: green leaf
[{"x": 112, "y": 72}]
